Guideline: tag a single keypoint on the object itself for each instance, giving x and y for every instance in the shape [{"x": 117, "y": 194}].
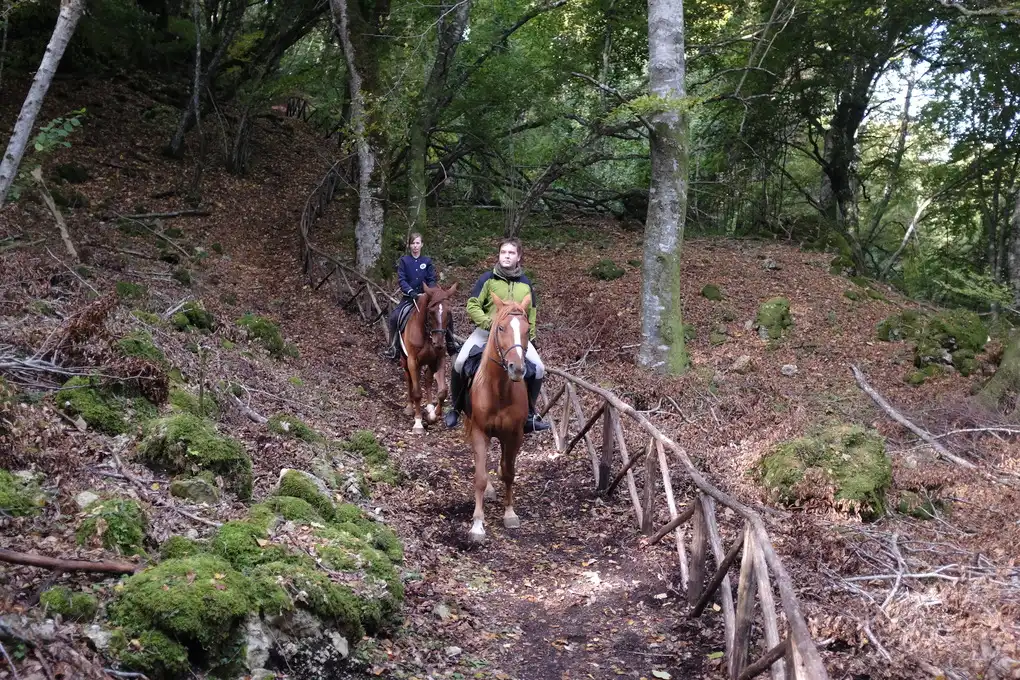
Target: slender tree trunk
[
  {"x": 3, "y": 40},
  {"x": 67, "y": 20},
  {"x": 662, "y": 336},
  {"x": 195, "y": 192},
  {"x": 1013, "y": 259},
  {"x": 369, "y": 229},
  {"x": 451, "y": 29},
  {"x": 894, "y": 172}
]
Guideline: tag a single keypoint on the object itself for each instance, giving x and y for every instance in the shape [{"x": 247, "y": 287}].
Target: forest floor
[{"x": 571, "y": 594}]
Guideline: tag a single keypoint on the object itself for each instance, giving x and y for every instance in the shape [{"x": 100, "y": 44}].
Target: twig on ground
[
  {"x": 59, "y": 564},
  {"x": 197, "y": 212},
  {"x": 55, "y": 211},
  {"x": 157, "y": 499},
  {"x": 7, "y": 657},
  {"x": 76, "y": 274},
  {"x": 874, "y": 640},
  {"x": 252, "y": 415},
  {"x": 992, "y": 430},
  {"x": 42, "y": 662},
  {"x": 158, "y": 235},
  {"x": 899, "y": 574},
  {"x": 176, "y": 308},
  {"x": 125, "y": 674}
]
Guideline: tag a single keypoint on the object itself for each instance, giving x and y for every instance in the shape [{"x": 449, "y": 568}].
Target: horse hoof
[
  {"x": 430, "y": 413},
  {"x": 512, "y": 521},
  {"x": 476, "y": 536},
  {"x": 418, "y": 429}
]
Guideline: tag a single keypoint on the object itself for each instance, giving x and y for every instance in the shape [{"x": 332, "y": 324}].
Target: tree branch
[{"x": 58, "y": 564}]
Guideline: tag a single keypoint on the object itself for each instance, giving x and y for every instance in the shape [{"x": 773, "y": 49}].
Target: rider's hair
[
  {"x": 410, "y": 239},
  {"x": 515, "y": 242}
]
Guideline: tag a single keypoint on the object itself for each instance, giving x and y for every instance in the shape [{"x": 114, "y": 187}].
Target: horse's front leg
[
  {"x": 409, "y": 407},
  {"x": 507, "y": 466},
  {"x": 443, "y": 389},
  {"x": 430, "y": 409},
  {"x": 480, "y": 447},
  {"x": 414, "y": 370}
]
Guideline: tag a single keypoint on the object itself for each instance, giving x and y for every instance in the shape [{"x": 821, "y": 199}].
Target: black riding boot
[
  {"x": 534, "y": 423},
  {"x": 391, "y": 349},
  {"x": 452, "y": 346},
  {"x": 456, "y": 399}
]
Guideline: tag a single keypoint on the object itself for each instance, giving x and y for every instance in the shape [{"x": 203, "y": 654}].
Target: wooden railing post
[
  {"x": 608, "y": 447},
  {"x": 699, "y": 542},
  {"x": 667, "y": 485},
  {"x": 745, "y": 605},
  {"x": 647, "y": 522}
]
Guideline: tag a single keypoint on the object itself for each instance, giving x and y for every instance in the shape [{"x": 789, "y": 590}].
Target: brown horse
[
  {"x": 498, "y": 407},
  {"x": 424, "y": 343}
]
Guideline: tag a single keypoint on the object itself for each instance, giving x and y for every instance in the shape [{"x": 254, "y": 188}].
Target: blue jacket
[{"x": 413, "y": 272}]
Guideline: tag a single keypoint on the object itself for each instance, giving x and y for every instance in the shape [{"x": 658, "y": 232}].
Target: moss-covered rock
[
  {"x": 177, "y": 547},
  {"x": 712, "y": 292},
  {"x": 263, "y": 331},
  {"x": 152, "y": 653},
  {"x": 139, "y": 344},
  {"x": 845, "y": 460},
  {"x": 716, "y": 338},
  {"x": 774, "y": 318},
  {"x": 182, "y": 443},
  {"x": 184, "y": 401},
  {"x": 131, "y": 291},
  {"x": 379, "y": 468},
  {"x": 291, "y": 426},
  {"x": 293, "y": 509},
  {"x": 117, "y": 524},
  {"x": 299, "y": 484},
  {"x": 948, "y": 332},
  {"x": 193, "y": 316},
  {"x": 196, "y": 602},
  {"x": 964, "y": 361},
  {"x": 98, "y": 407},
  {"x": 195, "y": 489},
  {"x": 919, "y": 376},
  {"x": 245, "y": 545},
  {"x": 146, "y": 317},
  {"x": 902, "y": 326},
  {"x": 20, "y": 495},
  {"x": 73, "y": 606},
  {"x": 335, "y": 604},
  {"x": 606, "y": 270},
  {"x": 852, "y": 294}
]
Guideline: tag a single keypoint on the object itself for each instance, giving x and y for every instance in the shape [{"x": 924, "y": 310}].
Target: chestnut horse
[
  {"x": 498, "y": 407},
  {"x": 424, "y": 344}
]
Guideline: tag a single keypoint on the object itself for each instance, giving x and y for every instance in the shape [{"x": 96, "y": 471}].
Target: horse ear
[
  {"x": 452, "y": 289},
  {"x": 526, "y": 302},
  {"x": 425, "y": 287},
  {"x": 499, "y": 302}
]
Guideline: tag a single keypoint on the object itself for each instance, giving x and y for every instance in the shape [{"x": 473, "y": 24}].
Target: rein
[{"x": 502, "y": 354}]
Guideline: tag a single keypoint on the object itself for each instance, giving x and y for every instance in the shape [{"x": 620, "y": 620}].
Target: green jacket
[{"x": 481, "y": 308}]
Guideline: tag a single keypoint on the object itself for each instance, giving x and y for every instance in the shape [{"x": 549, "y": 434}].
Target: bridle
[
  {"x": 502, "y": 353},
  {"x": 428, "y": 321}
]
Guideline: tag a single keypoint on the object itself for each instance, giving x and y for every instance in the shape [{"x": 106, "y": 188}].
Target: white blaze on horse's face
[{"x": 516, "y": 325}]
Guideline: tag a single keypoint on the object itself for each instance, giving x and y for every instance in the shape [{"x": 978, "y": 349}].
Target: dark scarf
[{"x": 508, "y": 274}]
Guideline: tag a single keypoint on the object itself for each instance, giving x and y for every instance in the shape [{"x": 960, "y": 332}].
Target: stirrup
[{"x": 535, "y": 424}]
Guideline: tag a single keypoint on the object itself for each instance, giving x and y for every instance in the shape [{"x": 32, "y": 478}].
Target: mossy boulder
[
  {"x": 186, "y": 444},
  {"x": 193, "y": 316},
  {"x": 902, "y": 326},
  {"x": 300, "y": 484},
  {"x": 146, "y": 317},
  {"x": 948, "y": 332},
  {"x": 151, "y": 652},
  {"x": 184, "y": 401},
  {"x": 844, "y": 464},
  {"x": 921, "y": 375},
  {"x": 606, "y": 270},
  {"x": 104, "y": 409},
  {"x": 712, "y": 292},
  {"x": 195, "y": 603},
  {"x": 20, "y": 495},
  {"x": 774, "y": 318},
  {"x": 292, "y": 509},
  {"x": 265, "y": 332},
  {"x": 379, "y": 468},
  {"x": 139, "y": 344},
  {"x": 131, "y": 291},
  {"x": 177, "y": 547},
  {"x": 71, "y": 605},
  {"x": 196, "y": 489},
  {"x": 291, "y": 426},
  {"x": 245, "y": 544},
  {"x": 116, "y": 523}
]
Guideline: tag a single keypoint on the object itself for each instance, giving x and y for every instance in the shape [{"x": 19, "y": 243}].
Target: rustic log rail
[
  {"x": 372, "y": 301},
  {"x": 792, "y": 656}
]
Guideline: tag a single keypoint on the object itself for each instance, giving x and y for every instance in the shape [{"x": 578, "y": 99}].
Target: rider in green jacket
[{"x": 508, "y": 282}]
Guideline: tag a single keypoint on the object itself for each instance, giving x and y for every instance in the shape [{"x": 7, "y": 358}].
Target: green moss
[
  {"x": 245, "y": 545},
  {"x": 197, "y": 601},
  {"x": 131, "y": 291},
  {"x": 264, "y": 331},
  {"x": 217, "y": 248},
  {"x": 19, "y": 497},
  {"x": 852, "y": 295},
  {"x": 289, "y": 426},
  {"x": 183, "y": 276},
  {"x": 118, "y": 524},
  {"x": 849, "y": 458},
  {"x": 919, "y": 505},
  {"x": 146, "y": 317},
  {"x": 606, "y": 270},
  {"x": 876, "y": 295},
  {"x": 949, "y": 332},
  {"x": 919, "y": 376},
  {"x": 964, "y": 361},
  {"x": 177, "y": 547},
  {"x": 377, "y": 460},
  {"x": 183, "y": 443},
  {"x": 184, "y": 401},
  {"x": 298, "y": 485},
  {"x": 903, "y": 326},
  {"x": 296, "y": 381},
  {"x": 99, "y": 407},
  {"x": 152, "y": 653},
  {"x": 774, "y": 318},
  {"x": 336, "y": 604},
  {"x": 715, "y": 338},
  {"x": 193, "y": 316},
  {"x": 712, "y": 292},
  {"x": 860, "y": 281},
  {"x": 348, "y": 512},
  {"x": 69, "y": 604},
  {"x": 139, "y": 344},
  {"x": 293, "y": 509}
]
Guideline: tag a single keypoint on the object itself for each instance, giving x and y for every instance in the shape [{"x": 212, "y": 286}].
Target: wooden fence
[{"x": 786, "y": 654}]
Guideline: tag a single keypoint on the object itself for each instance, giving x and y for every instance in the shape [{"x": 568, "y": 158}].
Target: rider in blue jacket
[{"x": 413, "y": 271}]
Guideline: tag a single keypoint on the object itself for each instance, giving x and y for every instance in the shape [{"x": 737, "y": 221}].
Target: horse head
[
  {"x": 509, "y": 334},
  {"x": 434, "y": 305}
]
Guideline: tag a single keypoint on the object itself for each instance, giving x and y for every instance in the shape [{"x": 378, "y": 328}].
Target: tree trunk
[
  {"x": 1002, "y": 393},
  {"x": 67, "y": 20},
  {"x": 451, "y": 29},
  {"x": 369, "y": 230},
  {"x": 1013, "y": 258},
  {"x": 527, "y": 203},
  {"x": 662, "y": 336}
]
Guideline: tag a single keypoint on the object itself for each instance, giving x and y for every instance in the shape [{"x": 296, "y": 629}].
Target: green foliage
[
  {"x": 848, "y": 457},
  {"x": 101, "y": 407},
  {"x": 183, "y": 443},
  {"x": 118, "y": 524},
  {"x": 139, "y": 344},
  {"x": 296, "y": 484},
  {"x": 55, "y": 133},
  {"x": 193, "y": 316},
  {"x": 290, "y": 426},
  {"x": 774, "y": 318},
  {"x": 73, "y": 606},
  {"x": 265, "y": 332},
  {"x": 20, "y": 496}
]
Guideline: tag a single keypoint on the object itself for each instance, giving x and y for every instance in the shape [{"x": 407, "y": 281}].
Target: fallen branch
[
  {"x": 67, "y": 565},
  {"x": 51, "y": 204},
  {"x": 1002, "y": 430},
  {"x": 131, "y": 477},
  {"x": 920, "y": 432},
  {"x": 7, "y": 658},
  {"x": 157, "y": 234},
  {"x": 15, "y": 244},
  {"x": 252, "y": 415},
  {"x": 199, "y": 212}
]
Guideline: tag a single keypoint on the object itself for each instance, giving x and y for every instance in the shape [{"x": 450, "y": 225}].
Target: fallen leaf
[{"x": 662, "y": 674}]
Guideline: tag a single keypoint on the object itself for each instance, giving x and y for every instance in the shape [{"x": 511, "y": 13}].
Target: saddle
[
  {"x": 403, "y": 314},
  {"x": 471, "y": 365}
]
